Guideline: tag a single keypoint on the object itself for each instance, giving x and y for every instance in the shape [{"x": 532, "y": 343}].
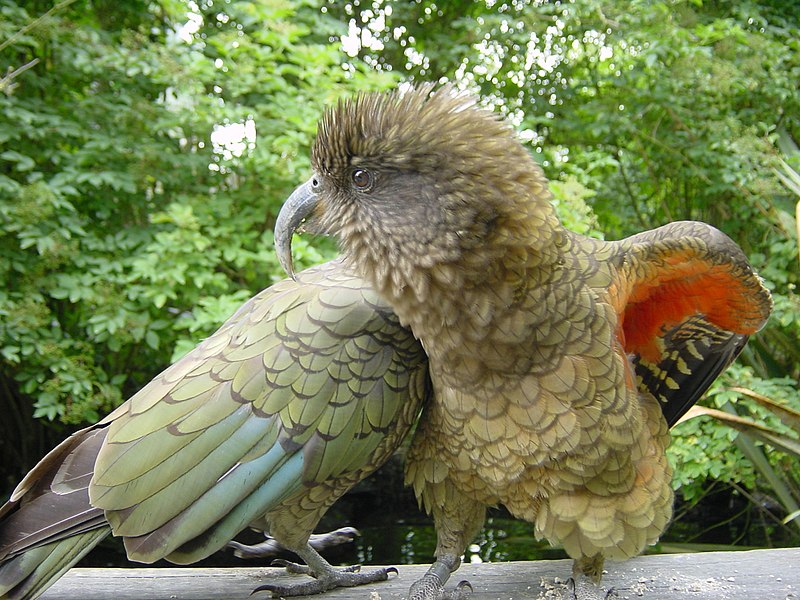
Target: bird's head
[{"x": 416, "y": 180}]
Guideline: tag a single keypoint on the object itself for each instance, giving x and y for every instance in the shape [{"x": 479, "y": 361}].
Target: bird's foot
[
  {"x": 430, "y": 587},
  {"x": 299, "y": 569},
  {"x": 584, "y": 588},
  {"x": 271, "y": 547},
  {"x": 326, "y": 580}
]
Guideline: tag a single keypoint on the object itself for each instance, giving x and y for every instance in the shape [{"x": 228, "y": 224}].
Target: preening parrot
[
  {"x": 305, "y": 391},
  {"x": 558, "y": 361}
]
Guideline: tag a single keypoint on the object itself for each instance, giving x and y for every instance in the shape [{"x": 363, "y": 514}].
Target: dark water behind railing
[{"x": 394, "y": 532}]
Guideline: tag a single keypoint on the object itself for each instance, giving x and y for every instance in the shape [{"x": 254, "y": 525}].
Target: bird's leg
[
  {"x": 457, "y": 521},
  {"x": 431, "y": 585},
  {"x": 326, "y": 577},
  {"x": 586, "y": 574},
  {"x": 589, "y": 567},
  {"x": 271, "y": 547}
]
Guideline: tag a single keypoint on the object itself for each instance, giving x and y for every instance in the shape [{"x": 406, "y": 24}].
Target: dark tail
[{"x": 48, "y": 525}]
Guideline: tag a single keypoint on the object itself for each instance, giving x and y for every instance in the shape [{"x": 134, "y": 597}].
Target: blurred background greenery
[{"x": 146, "y": 146}]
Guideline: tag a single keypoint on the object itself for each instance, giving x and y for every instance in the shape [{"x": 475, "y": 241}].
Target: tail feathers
[
  {"x": 48, "y": 525},
  {"x": 28, "y": 527},
  {"x": 27, "y": 575},
  {"x": 52, "y": 502}
]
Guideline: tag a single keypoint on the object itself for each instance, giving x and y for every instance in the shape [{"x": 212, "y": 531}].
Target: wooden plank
[{"x": 755, "y": 574}]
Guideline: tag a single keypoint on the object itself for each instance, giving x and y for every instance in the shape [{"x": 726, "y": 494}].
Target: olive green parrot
[
  {"x": 558, "y": 361},
  {"x": 302, "y": 393}
]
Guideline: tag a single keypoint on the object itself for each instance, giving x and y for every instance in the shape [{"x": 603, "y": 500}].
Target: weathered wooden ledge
[{"x": 748, "y": 575}]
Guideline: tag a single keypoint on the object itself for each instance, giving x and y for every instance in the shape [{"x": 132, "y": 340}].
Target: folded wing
[{"x": 309, "y": 382}]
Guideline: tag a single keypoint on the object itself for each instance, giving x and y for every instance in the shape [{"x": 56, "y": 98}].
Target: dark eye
[{"x": 362, "y": 179}]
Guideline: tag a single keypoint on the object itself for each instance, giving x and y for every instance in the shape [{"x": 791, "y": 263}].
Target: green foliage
[
  {"x": 128, "y": 229},
  {"x": 570, "y": 199},
  {"x": 704, "y": 450},
  {"x": 700, "y": 452}
]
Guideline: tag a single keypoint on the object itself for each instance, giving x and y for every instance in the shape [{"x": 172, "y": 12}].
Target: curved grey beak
[{"x": 294, "y": 211}]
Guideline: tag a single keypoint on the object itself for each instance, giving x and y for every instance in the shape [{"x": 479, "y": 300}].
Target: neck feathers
[{"x": 454, "y": 302}]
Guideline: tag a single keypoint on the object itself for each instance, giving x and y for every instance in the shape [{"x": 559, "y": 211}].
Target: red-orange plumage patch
[{"x": 678, "y": 291}]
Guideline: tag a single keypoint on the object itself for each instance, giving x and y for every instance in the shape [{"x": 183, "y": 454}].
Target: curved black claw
[
  {"x": 430, "y": 587},
  {"x": 327, "y": 581},
  {"x": 462, "y": 590},
  {"x": 582, "y": 588}
]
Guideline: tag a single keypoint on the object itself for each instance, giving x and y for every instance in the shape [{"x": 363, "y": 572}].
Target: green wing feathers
[
  {"x": 299, "y": 387},
  {"x": 311, "y": 383}
]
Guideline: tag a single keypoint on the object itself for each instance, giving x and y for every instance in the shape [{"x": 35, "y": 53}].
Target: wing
[
  {"x": 688, "y": 301},
  {"x": 300, "y": 386}
]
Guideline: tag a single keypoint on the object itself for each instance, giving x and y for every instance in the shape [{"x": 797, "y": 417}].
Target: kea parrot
[
  {"x": 302, "y": 393},
  {"x": 558, "y": 361}
]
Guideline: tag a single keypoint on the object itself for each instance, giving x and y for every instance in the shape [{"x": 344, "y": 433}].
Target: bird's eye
[{"x": 362, "y": 179}]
